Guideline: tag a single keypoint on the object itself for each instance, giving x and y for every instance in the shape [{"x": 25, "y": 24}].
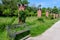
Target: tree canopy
[
  {"x": 11, "y": 6},
  {"x": 55, "y": 10}
]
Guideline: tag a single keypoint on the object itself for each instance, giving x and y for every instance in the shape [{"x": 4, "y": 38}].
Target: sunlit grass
[{"x": 36, "y": 27}]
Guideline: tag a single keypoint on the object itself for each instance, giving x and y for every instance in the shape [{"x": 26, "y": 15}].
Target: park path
[{"x": 51, "y": 34}]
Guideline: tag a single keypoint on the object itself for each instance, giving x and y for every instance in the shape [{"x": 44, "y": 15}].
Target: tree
[
  {"x": 22, "y": 11},
  {"x": 49, "y": 9},
  {"x": 12, "y": 4},
  {"x": 7, "y": 12},
  {"x": 55, "y": 10},
  {"x": 59, "y": 10},
  {"x": 1, "y": 9},
  {"x": 25, "y": 2},
  {"x": 43, "y": 10}
]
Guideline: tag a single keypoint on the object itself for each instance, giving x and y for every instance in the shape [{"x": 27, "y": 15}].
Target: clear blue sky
[{"x": 45, "y": 3}]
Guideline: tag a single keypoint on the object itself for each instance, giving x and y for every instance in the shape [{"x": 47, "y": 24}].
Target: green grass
[
  {"x": 36, "y": 27},
  {"x": 7, "y": 20},
  {"x": 4, "y": 21},
  {"x": 3, "y": 35}
]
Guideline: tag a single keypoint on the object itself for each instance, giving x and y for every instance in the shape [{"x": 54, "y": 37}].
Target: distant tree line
[{"x": 10, "y": 8}]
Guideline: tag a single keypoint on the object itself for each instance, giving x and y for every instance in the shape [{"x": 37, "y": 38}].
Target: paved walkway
[{"x": 51, "y": 34}]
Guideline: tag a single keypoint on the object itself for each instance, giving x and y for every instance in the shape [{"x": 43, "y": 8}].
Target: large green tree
[
  {"x": 55, "y": 10},
  {"x": 49, "y": 9},
  {"x": 12, "y": 5},
  {"x": 9, "y": 4}
]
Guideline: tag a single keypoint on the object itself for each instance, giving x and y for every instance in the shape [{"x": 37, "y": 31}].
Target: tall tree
[
  {"x": 9, "y": 4},
  {"x": 49, "y": 9},
  {"x": 12, "y": 4},
  {"x": 55, "y": 10}
]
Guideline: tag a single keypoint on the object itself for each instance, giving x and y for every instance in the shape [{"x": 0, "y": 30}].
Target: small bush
[
  {"x": 16, "y": 12},
  {"x": 5, "y": 21},
  {"x": 41, "y": 19},
  {"x": 7, "y": 12}
]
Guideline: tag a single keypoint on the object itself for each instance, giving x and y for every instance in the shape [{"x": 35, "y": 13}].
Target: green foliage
[
  {"x": 9, "y": 7},
  {"x": 5, "y": 21},
  {"x": 22, "y": 15},
  {"x": 41, "y": 19},
  {"x": 55, "y": 10},
  {"x": 3, "y": 35},
  {"x": 43, "y": 10},
  {"x": 51, "y": 17},
  {"x": 32, "y": 13},
  {"x": 27, "y": 12},
  {"x": 1, "y": 9},
  {"x": 7, "y": 12},
  {"x": 33, "y": 9},
  {"x": 39, "y": 27},
  {"x": 59, "y": 10},
  {"x": 36, "y": 27},
  {"x": 43, "y": 14},
  {"x": 2, "y": 27},
  {"x": 16, "y": 12},
  {"x": 49, "y": 9},
  {"x": 25, "y": 2}
]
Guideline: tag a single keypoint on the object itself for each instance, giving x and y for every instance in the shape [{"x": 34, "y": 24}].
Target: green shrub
[
  {"x": 7, "y": 12},
  {"x": 41, "y": 19},
  {"x": 16, "y": 12},
  {"x": 22, "y": 16},
  {"x": 6, "y": 21}
]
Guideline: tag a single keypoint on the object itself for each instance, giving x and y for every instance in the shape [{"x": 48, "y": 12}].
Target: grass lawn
[
  {"x": 36, "y": 27},
  {"x": 7, "y": 20}
]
